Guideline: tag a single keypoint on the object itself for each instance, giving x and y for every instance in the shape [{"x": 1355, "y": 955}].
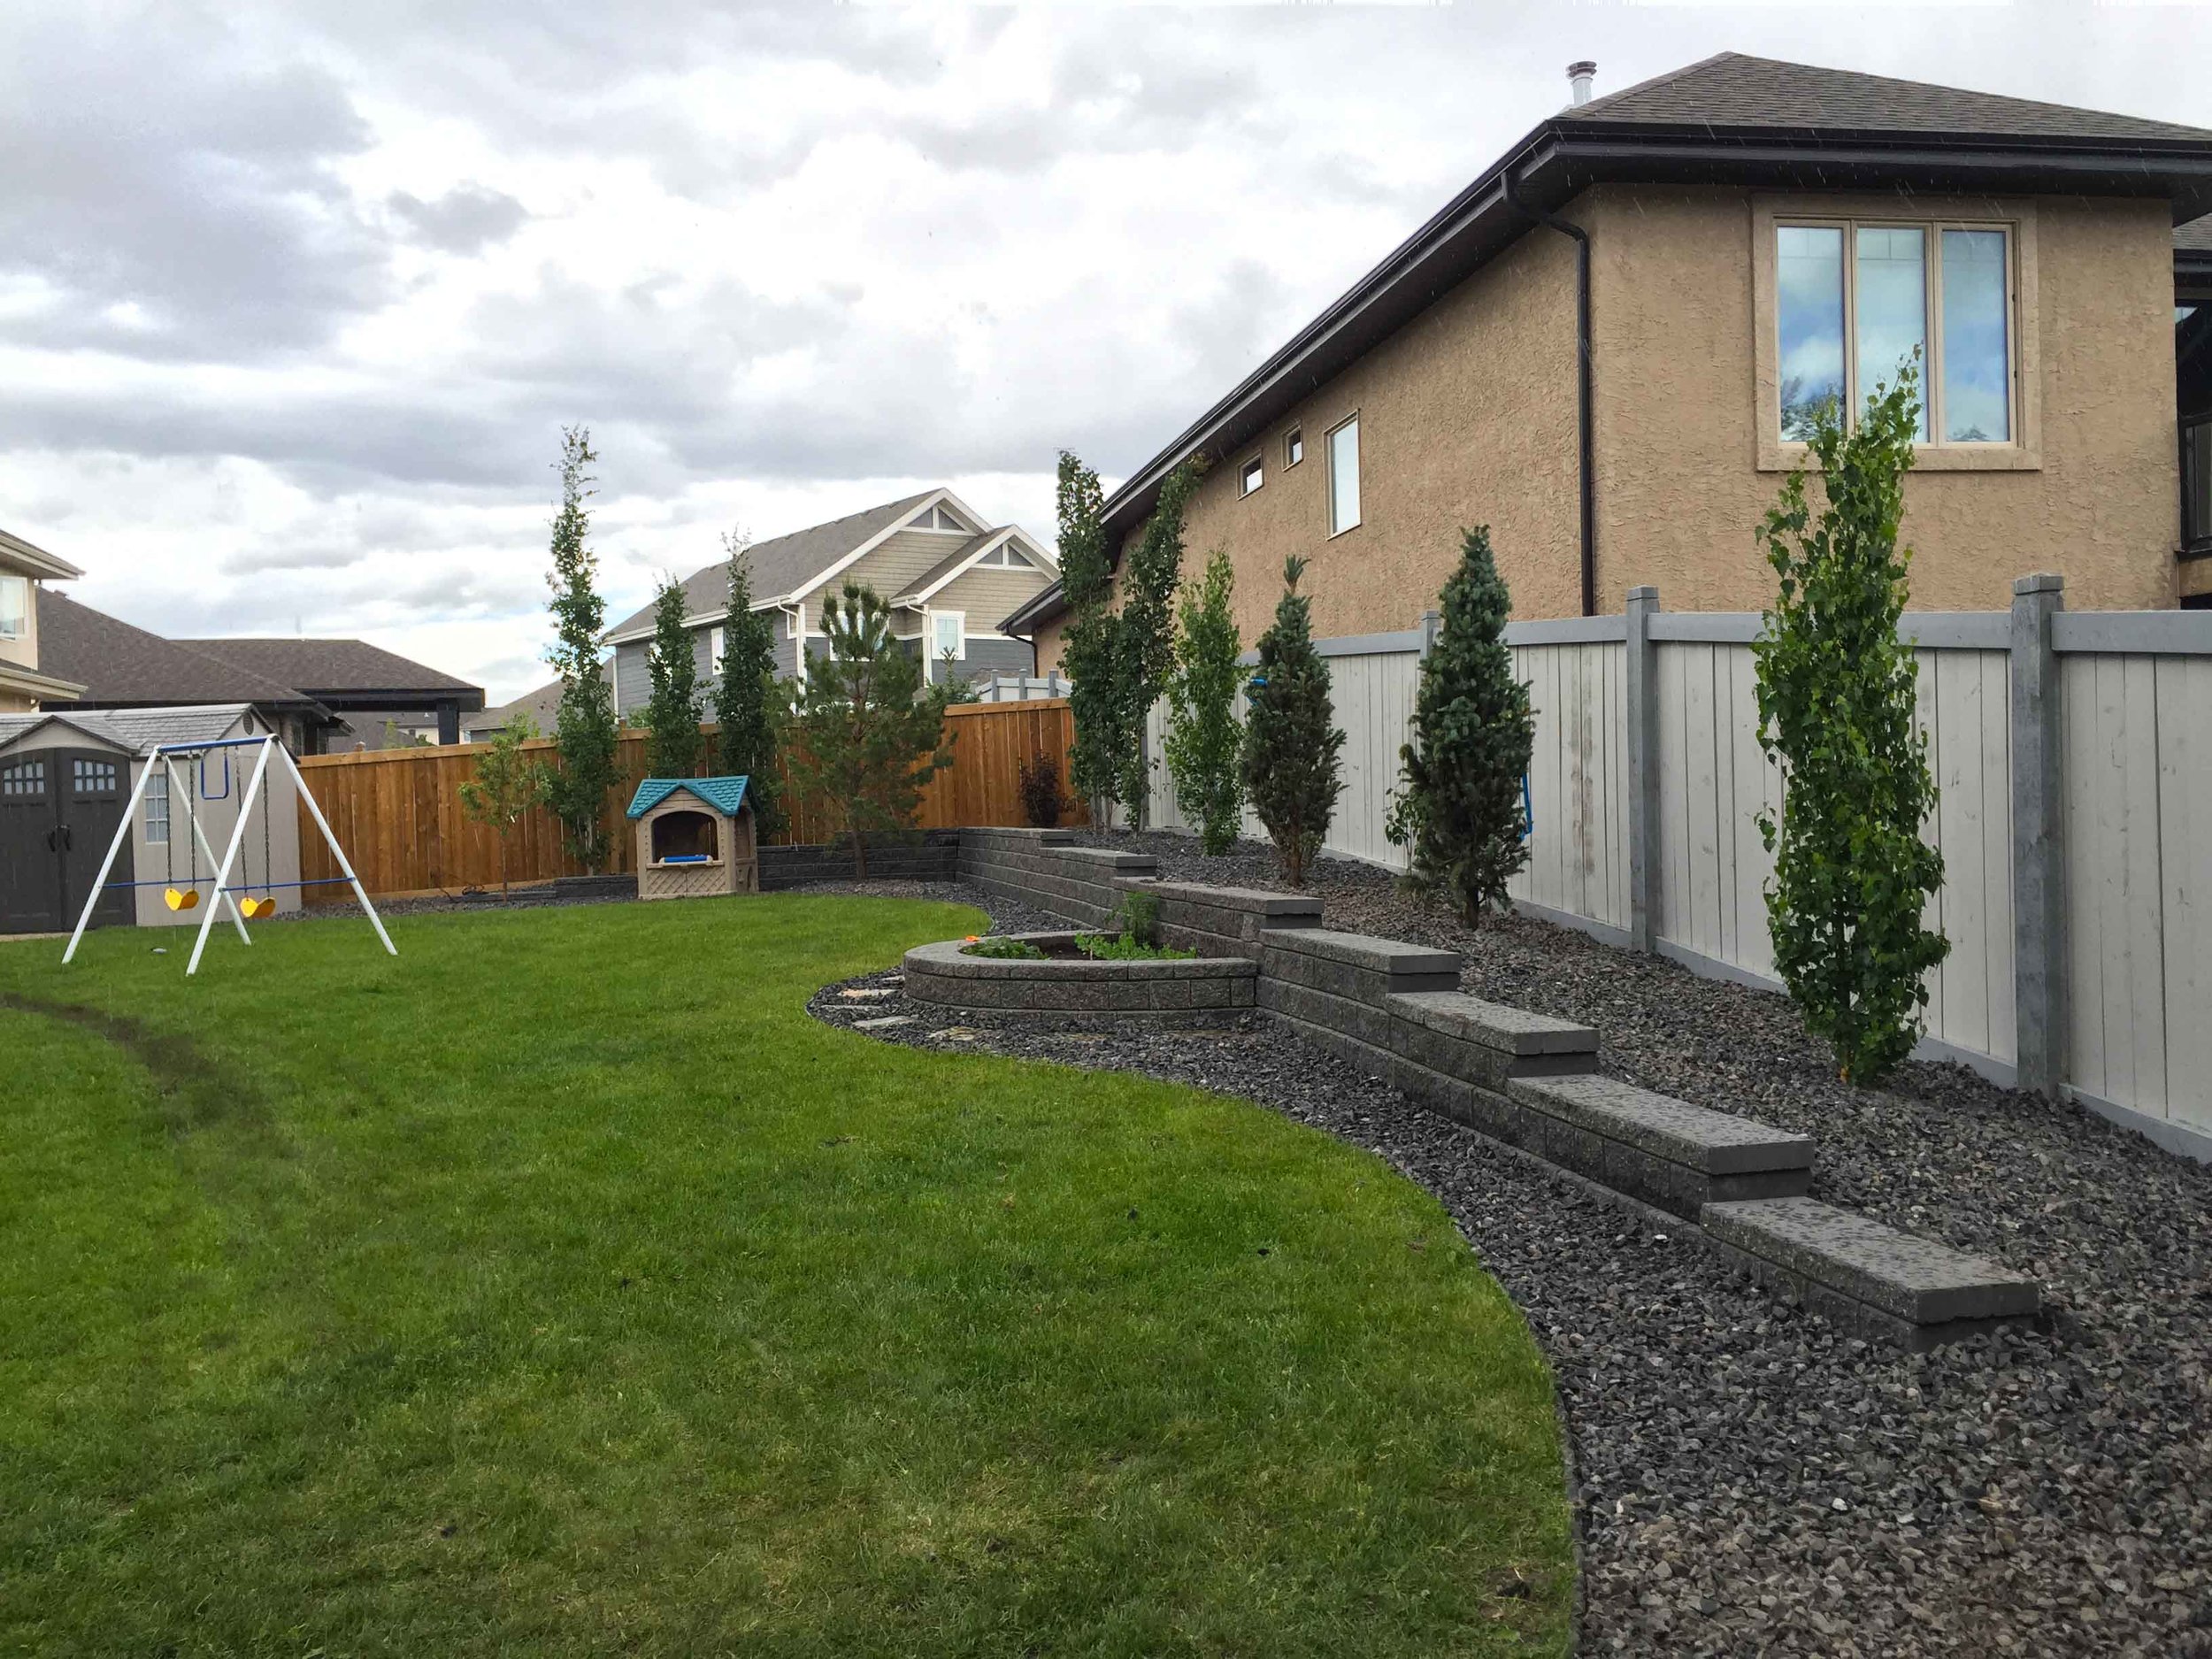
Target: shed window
[
  {"x": 1250, "y": 476},
  {"x": 157, "y": 807},
  {"x": 1344, "y": 477}
]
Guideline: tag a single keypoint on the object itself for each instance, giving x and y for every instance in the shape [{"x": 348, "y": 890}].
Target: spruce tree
[
  {"x": 1150, "y": 577},
  {"x": 584, "y": 732},
  {"x": 1292, "y": 771},
  {"x": 1459, "y": 810},
  {"x": 1836, "y": 691},
  {"x": 672, "y": 738},
  {"x": 870, "y": 735},
  {"x": 1203, "y": 738},
  {"x": 744, "y": 693},
  {"x": 1091, "y": 651}
]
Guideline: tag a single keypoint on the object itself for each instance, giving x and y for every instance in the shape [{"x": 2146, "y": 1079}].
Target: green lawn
[{"x": 560, "y": 1286}]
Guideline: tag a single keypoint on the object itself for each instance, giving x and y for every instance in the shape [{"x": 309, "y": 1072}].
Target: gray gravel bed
[{"x": 1752, "y": 1481}]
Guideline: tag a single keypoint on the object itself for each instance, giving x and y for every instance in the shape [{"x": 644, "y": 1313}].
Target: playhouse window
[{"x": 683, "y": 838}]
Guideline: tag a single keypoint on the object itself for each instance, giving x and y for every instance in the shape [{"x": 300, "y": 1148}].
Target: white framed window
[
  {"x": 158, "y": 807},
  {"x": 941, "y": 517},
  {"x": 1293, "y": 447},
  {"x": 1855, "y": 299},
  {"x": 1002, "y": 557},
  {"x": 714, "y": 651},
  {"x": 791, "y": 624},
  {"x": 1250, "y": 476},
  {"x": 949, "y": 635},
  {"x": 1344, "y": 477},
  {"x": 15, "y": 605}
]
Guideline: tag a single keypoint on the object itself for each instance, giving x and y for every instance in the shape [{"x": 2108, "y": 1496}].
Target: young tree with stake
[
  {"x": 1459, "y": 810},
  {"x": 1292, "y": 771},
  {"x": 508, "y": 784},
  {"x": 870, "y": 733},
  {"x": 1836, "y": 690},
  {"x": 584, "y": 731}
]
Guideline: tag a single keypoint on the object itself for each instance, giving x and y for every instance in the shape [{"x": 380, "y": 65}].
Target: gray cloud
[{"x": 463, "y": 220}]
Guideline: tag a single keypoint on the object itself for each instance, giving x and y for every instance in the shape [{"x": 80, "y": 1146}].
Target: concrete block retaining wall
[
  {"x": 1395, "y": 1010},
  {"x": 1061, "y": 991},
  {"x": 935, "y": 857}
]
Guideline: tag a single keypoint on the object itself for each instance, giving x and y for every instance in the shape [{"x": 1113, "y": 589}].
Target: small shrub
[
  {"x": 1138, "y": 917},
  {"x": 1044, "y": 801},
  {"x": 1003, "y": 950},
  {"x": 1292, "y": 768},
  {"x": 1836, "y": 690},
  {"x": 1122, "y": 947}
]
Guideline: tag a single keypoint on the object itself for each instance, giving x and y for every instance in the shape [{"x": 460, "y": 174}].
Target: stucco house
[
  {"x": 1605, "y": 348},
  {"x": 949, "y": 576},
  {"x": 23, "y": 570}
]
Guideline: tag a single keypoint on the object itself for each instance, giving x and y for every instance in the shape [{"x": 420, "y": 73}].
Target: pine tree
[
  {"x": 744, "y": 693},
  {"x": 1459, "y": 810},
  {"x": 1203, "y": 738},
  {"x": 1091, "y": 651},
  {"x": 584, "y": 732},
  {"x": 870, "y": 735},
  {"x": 1292, "y": 771},
  {"x": 1149, "y": 578},
  {"x": 1837, "y": 692},
  {"x": 672, "y": 738},
  {"x": 508, "y": 783}
]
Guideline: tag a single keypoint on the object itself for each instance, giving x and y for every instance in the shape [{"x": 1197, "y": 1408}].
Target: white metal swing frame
[{"x": 224, "y": 891}]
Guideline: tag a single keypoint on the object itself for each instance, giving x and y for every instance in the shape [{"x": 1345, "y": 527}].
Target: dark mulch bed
[{"x": 1752, "y": 1481}]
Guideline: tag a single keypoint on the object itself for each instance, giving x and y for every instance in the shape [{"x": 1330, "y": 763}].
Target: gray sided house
[{"x": 949, "y": 576}]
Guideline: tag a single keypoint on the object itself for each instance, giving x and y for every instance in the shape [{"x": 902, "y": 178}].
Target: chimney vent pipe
[{"x": 1579, "y": 76}]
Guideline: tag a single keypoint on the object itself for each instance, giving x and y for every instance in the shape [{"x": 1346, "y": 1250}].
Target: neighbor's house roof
[
  {"x": 2192, "y": 250},
  {"x": 15, "y": 550},
  {"x": 544, "y": 706},
  {"x": 342, "y": 673},
  {"x": 123, "y": 665},
  {"x": 723, "y": 795},
  {"x": 1729, "y": 119},
  {"x": 134, "y": 730}
]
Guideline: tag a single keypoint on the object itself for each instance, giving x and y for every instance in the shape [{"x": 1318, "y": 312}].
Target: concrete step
[
  {"x": 1493, "y": 1025},
  {"x": 1356, "y": 965},
  {"x": 1867, "y": 1275},
  {"x": 1667, "y": 1152}
]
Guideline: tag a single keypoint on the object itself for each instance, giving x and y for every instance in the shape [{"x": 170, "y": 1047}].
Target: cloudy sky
[{"x": 295, "y": 301}]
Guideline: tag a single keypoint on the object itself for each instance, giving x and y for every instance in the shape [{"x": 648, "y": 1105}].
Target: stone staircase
[{"x": 1395, "y": 1012}]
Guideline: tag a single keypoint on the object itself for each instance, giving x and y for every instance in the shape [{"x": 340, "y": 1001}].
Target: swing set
[{"x": 249, "y": 899}]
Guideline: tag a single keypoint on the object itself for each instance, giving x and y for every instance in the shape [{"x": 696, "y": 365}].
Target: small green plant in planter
[
  {"x": 1003, "y": 950},
  {"x": 1122, "y": 947}
]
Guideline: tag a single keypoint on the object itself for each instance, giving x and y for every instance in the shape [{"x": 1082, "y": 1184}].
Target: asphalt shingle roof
[
  {"x": 116, "y": 662},
  {"x": 1731, "y": 89},
  {"x": 136, "y": 730},
  {"x": 335, "y": 667},
  {"x": 784, "y": 565},
  {"x": 2196, "y": 235}
]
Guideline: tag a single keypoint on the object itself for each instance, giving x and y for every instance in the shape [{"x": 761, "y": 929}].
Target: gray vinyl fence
[{"x": 2073, "y": 757}]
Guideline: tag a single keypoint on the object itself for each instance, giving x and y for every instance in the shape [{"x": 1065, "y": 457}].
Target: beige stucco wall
[
  {"x": 9, "y": 703},
  {"x": 1679, "y": 487},
  {"x": 1468, "y": 416}
]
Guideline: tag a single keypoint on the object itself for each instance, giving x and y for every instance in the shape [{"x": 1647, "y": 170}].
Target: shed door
[
  {"x": 94, "y": 786},
  {"x": 30, "y": 841}
]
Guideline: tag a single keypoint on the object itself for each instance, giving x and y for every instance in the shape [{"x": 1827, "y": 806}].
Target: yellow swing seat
[
  {"x": 255, "y": 908},
  {"x": 182, "y": 899}
]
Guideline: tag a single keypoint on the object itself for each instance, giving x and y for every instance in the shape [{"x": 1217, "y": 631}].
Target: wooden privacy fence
[{"x": 397, "y": 811}]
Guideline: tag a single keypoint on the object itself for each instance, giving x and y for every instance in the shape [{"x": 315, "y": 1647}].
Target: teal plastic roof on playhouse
[{"x": 723, "y": 795}]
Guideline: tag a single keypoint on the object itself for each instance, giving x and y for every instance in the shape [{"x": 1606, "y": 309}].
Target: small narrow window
[
  {"x": 1808, "y": 285},
  {"x": 1344, "y": 477},
  {"x": 15, "y": 605},
  {"x": 1977, "y": 354},
  {"x": 714, "y": 650},
  {"x": 1250, "y": 476},
  {"x": 1893, "y": 307},
  {"x": 158, "y": 809},
  {"x": 949, "y": 635},
  {"x": 1293, "y": 447}
]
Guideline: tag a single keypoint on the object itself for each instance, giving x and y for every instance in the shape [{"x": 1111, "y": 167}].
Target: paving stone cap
[
  {"x": 1363, "y": 950},
  {"x": 1255, "y": 901},
  {"x": 1109, "y": 858},
  {"x": 1038, "y": 837},
  {"x": 949, "y": 959},
  {"x": 1919, "y": 1280},
  {"x": 1717, "y": 1143},
  {"x": 1493, "y": 1025}
]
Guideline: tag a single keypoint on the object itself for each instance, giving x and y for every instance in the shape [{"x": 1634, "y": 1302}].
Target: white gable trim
[{"x": 1011, "y": 535}]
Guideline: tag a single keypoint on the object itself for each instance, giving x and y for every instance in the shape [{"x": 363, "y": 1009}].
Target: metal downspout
[{"x": 1588, "y": 491}]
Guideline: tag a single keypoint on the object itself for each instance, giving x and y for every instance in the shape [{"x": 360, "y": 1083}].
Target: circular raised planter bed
[{"x": 1071, "y": 989}]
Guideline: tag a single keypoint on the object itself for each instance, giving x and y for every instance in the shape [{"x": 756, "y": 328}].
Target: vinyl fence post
[
  {"x": 1432, "y": 628},
  {"x": 1641, "y": 665},
  {"x": 2039, "y": 865}
]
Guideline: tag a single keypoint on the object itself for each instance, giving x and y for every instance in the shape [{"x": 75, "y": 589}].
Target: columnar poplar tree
[
  {"x": 584, "y": 731},
  {"x": 1203, "y": 738},
  {"x": 1091, "y": 650},
  {"x": 1837, "y": 689},
  {"x": 870, "y": 733},
  {"x": 1459, "y": 808},
  {"x": 1291, "y": 767},
  {"x": 672, "y": 738},
  {"x": 1149, "y": 578},
  {"x": 744, "y": 693}
]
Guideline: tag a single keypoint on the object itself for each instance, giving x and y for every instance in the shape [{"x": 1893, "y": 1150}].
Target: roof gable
[{"x": 723, "y": 795}]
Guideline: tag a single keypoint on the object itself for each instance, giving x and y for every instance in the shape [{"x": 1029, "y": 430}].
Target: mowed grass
[{"x": 561, "y": 1287}]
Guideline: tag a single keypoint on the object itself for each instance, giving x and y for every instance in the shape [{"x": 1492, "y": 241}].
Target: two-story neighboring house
[
  {"x": 22, "y": 569},
  {"x": 948, "y": 576},
  {"x": 1607, "y": 349}
]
